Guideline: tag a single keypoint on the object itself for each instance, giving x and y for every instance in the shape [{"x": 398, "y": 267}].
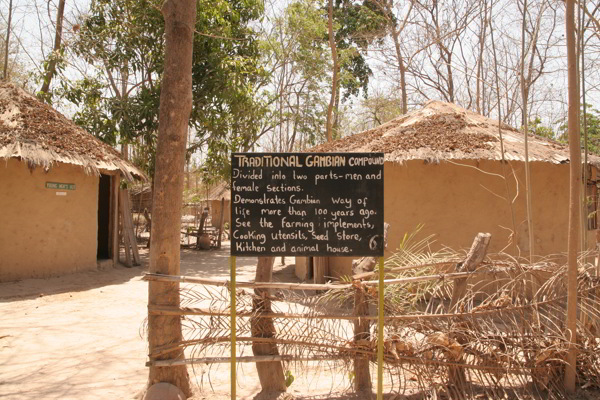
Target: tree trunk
[
  {"x": 334, "y": 57},
  {"x": 321, "y": 269},
  {"x": 221, "y": 219},
  {"x": 57, "y": 40},
  {"x": 362, "y": 336},
  {"x": 479, "y": 74},
  {"x": 336, "y": 111},
  {"x": 124, "y": 150},
  {"x": 401, "y": 69},
  {"x": 574, "y": 200},
  {"x": 270, "y": 373},
  {"x": 396, "y": 32},
  {"x": 472, "y": 260},
  {"x": 457, "y": 378},
  {"x": 525, "y": 124},
  {"x": 123, "y": 99},
  {"x": 175, "y": 108},
  {"x": 6, "y": 45}
]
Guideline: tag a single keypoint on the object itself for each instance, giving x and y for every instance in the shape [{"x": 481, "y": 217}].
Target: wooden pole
[
  {"x": 270, "y": 374},
  {"x": 160, "y": 310},
  {"x": 474, "y": 257},
  {"x": 232, "y": 273},
  {"x": 221, "y": 218},
  {"x": 321, "y": 269},
  {"x": 243, "y": 359},
  {"x": 362, "y": 333},
  {"x": 128, "y": 227},
  {"x": 124, "y": 232},
  {"x": 457, "y": 378},
  {"x": 574, "y": 198},
  {"x": 380, "y": 319},
  {"x": 308, "y": 286}
]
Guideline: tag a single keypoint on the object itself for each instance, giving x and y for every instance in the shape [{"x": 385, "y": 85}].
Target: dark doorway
[{"x": 104, "y": 217}]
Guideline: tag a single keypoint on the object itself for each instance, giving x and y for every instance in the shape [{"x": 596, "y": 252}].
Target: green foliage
[
  {"x": 351, "y": 377},
  {"x": 592, "y": 120},
  {"x": 358, "y": 25},
  {"x": 537, "y": 128},
  {"x": 93, "y": 117},
  {"x": 382, "y": 107},
  {"x": 226, "y": 76},
  {"x": 59, "y": 58},
  {"x": 296, "y": 49},
  {"x": 123, "y": 43},
  {"x": 289, "y": 378},
  {"x": 298, "y": 57}
]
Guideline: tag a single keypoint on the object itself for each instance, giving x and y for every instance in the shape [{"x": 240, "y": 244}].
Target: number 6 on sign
[{"x": 373, "y": 242}]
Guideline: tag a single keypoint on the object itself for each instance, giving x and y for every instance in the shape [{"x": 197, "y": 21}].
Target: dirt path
[{"x": 81, "y": 336}]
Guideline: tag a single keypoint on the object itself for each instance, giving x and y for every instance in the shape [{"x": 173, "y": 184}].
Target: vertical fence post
[
  {"x": 362, "y": 336},
  {"x": 380, "y": 333},
  {"x": 233, "y": 326}
]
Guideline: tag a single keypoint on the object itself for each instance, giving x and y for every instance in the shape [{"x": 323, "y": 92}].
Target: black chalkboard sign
[{"x": 307, "y": 204}]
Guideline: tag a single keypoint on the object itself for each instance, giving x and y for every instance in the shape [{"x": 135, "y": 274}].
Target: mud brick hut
[
  {"x": 213, "y": 198},
  {"x": 59, "y": 195},
  {"x": 444, "y": 169},
  {"x": 141, "y": 198}
]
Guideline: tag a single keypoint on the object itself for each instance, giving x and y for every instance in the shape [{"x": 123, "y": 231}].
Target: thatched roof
[
  {"x": 41, "y": 136},
  {"x": 219, "y": 191},
  {"x": 443, "y": 131}
]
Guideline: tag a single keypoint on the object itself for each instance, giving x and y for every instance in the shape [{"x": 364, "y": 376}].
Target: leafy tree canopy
[
  {"x": 122, "y": 42},
  {"x": 592, "y": 120},
  {"x": 358, "y": 25},
  {"x": 538, "y": 128}
]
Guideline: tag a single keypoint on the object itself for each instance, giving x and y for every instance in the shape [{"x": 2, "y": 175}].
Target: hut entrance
[{"x": 104, "y": 217}]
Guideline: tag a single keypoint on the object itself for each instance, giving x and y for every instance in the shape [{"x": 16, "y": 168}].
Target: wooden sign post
[{"x": 307, "y": 204}]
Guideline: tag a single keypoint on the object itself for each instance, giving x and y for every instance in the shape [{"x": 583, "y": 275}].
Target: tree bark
[
  {"x": 401, "y": 69},
  {"x": 479, "y": 74},
  {"x": 321, "y": 269},
  {"x": 334, "y": 57},
  {"x": 457, "y": 378},
  {"x": 474, "y": 257},
  {"x": 574, "y": 199},
  {"x": 6, "y": 45},
  {"x": 525, "y": 125},
  {"x": 362, "y": 336},
  {"x": 57, "y": 40},
  {"x": 221, "y": 219},
  {"x": 270, "y": 373},
  {"x": 175, "y": 108}
]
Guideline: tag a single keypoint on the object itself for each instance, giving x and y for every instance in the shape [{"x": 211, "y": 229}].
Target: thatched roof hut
[
  {"x": 444, "y": 132},
  {"x": 219, "y": 191},
  {"x": 215, "y": 194},
  {"x": 141, "y": 198},
  {"x": 60, "y": 191},
  {"x": 444, "y": 169},
  {"x": 40, "y": 136}
]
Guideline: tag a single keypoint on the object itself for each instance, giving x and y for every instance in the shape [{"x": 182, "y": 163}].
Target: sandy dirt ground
[{"x": 81, "y": 336}]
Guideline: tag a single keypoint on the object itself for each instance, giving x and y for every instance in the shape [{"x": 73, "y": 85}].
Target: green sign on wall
[{"x": 60, "y": 186}]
